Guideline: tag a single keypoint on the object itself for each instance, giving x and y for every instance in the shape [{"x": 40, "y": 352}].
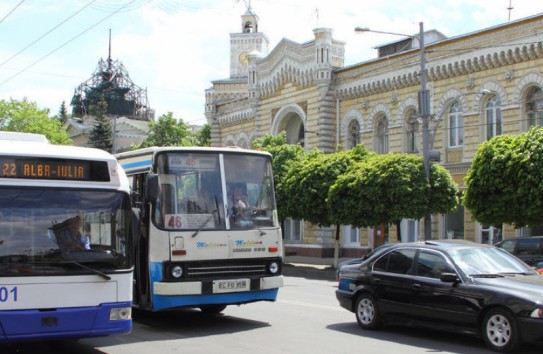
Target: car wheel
[
  {"x": 367, "y": 313},
  {"x": 500, "y": 331},
  {"x": 212, "y": 309}
]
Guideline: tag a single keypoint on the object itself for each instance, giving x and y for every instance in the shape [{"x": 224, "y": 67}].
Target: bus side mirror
[{"x": 152, "y": 187}]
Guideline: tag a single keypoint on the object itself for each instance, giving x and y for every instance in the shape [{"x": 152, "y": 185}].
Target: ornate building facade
[{"x": 481, "y": 84}]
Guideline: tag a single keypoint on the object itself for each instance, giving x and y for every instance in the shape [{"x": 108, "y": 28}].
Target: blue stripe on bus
[
  {"x": 62, "y": 323},
  {"x": 130, "y": 165},
  {"x": 161, "y": 302}
]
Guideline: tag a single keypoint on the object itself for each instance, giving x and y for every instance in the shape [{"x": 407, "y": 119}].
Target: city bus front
[
  {"x": 65, "y": 261},
  {"x": 215, "y": 236}
]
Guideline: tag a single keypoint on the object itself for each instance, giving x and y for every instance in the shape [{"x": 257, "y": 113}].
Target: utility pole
[{"x": 424, "y": 112}]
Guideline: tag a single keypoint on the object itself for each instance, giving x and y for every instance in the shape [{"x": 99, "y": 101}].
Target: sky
[{"x": 176, "y": 48}]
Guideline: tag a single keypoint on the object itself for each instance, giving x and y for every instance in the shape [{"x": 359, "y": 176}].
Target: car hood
[{"x": 531, "y": 285}]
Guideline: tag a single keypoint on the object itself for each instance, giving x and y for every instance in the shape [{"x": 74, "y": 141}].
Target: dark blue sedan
[{"x": 454, "y": 285}]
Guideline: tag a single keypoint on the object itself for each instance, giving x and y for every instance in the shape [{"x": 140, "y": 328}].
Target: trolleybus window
[{"x": 35, "y": 235}]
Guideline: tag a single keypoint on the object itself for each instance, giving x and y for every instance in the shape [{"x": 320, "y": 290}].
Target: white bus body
[
  {"x": 197, "y": 249},
  {"x": 49, "y": 287}
]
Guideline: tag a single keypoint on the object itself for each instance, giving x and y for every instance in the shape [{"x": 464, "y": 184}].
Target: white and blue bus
[
  {"x": 210, "y": 235},
  {"x": 66, "y": 262}
]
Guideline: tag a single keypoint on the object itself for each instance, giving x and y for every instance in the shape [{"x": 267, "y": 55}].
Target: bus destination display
[{"x": 57, "y": 169}]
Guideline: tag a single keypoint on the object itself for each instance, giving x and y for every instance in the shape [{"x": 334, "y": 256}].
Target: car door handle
[
  {"x": 376, "y": 281},
  {"x": 417, "y": 286}
]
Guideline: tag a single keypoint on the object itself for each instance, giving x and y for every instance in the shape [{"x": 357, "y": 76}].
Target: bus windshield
[
  {"x": 59, "y": 231},
  {"x": 214, "y": 191}
]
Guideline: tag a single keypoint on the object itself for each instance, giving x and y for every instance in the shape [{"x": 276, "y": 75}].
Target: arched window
[
  {"x": 242, "y": 143},
  {"x": 456, "y": 125},
  {"x": 382, "y": 135},
  {"x": 353, "y": 137},
  {"x": 493, "y": 117},
  {"x": 534, "y": 107},
  {"x": 412, "y": 131}
]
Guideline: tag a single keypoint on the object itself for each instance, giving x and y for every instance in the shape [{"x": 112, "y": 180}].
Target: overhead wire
[
  {"x": 65, "y": 43},
  {"x": 12, "y": 10},
  {"x": 46, "y": 33}
]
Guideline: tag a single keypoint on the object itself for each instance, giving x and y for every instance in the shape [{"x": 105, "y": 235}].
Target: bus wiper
[
  {"x": 95, "y": 271},
  {"x": 205, "y": 222},
  {"x": 262, "y": 232}
]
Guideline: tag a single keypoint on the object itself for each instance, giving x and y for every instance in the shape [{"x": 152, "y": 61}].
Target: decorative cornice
[
  {"x": 460, "y": 67},
  {"x": 236, "y": 117}
]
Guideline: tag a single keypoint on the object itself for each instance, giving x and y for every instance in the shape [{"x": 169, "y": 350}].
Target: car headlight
[
  {"x": 537, "y": 313},
  {"x": 120, "y": 313}
]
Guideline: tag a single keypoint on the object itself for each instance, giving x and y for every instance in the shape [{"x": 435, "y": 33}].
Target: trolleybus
[
  {"x": 210, "y": 235},
  {"x": 66, "y": 265}
]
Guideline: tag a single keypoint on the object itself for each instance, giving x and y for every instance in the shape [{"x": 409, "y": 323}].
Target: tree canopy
[
  {"x": 168, "y": 131},
  {"x": 25, "y": 117},
  {"x": 308, "y": 183},
  {"x": 385, "y": 189},
  {"x": 504, "y": 182}
]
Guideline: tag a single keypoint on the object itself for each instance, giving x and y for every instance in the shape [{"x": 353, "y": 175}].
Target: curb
[{"x": 310, "y": 272}]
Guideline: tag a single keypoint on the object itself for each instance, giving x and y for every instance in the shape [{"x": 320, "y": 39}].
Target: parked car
[
  {"x": 451, "y": 285},
  {"x": 529, "y": 249}
]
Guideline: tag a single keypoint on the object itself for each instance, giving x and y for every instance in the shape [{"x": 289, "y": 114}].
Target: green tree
[
  {"x": 63, "y": 113},
  {"x": 25, "y": 117},
  {"x": 307, "y": 183},
  {"x": 203, "y": 136},
  {"x": 168, "y": 131},
  {"x": 385, "y": 189},
  {"x": 504, "y": 180},
  {"x": 101, "y": 135}
]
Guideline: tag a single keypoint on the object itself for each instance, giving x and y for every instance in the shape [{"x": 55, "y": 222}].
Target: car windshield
[{"x": 487, "y": 261}]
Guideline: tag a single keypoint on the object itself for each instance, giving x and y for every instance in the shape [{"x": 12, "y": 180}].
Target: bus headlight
[
  {"x": 120, "y": 313},
  {"x": 273, "y": 267},
  {"x": 177, "y": 272}
]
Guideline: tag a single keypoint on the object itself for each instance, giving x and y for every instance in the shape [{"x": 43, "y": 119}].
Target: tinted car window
[
  {"x": 508, "y": 245},
  {"x": 431, "y": 265},
  {"x": 528, "y": 246},
  {"x": 397, "y": 261}
]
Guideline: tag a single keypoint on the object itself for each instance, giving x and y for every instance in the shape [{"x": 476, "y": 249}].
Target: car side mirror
[{"x": 449, "y": 277}]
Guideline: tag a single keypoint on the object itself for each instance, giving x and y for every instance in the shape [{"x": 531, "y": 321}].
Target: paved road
[{"x": 305, "y": 319}]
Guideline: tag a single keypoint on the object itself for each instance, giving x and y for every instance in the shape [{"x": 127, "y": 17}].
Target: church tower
[{"x": 245, "y": 43}]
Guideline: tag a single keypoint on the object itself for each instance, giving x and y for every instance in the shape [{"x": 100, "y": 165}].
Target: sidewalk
[{"x": 310, "y": 267}]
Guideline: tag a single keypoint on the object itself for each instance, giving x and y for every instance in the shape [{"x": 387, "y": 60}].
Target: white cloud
[{"x": 176, "y": 48}]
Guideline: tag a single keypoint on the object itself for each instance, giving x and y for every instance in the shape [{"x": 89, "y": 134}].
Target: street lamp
[{"x": 424, "y": 110}]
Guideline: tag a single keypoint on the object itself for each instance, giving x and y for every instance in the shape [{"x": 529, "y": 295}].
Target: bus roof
[
  {"x": 5, "y": 135},
  {"x": 44, "y": 149},
  {"x": 141, "y": 160}
]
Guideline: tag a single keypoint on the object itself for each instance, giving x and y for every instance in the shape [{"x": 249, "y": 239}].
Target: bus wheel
[{"x": 212, "y": 309}]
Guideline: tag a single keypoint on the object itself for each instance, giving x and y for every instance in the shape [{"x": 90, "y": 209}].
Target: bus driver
[{"x": 71, "y": 239}]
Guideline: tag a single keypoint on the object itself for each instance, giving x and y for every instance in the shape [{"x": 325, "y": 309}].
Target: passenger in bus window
[{"x": 71, "y": 238}]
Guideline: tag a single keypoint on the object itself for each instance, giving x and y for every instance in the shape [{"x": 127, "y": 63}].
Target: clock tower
[{"x": 244, "y": 43}]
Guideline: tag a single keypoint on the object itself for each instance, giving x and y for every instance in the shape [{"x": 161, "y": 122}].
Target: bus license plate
[{"x": 232, "y": 285}]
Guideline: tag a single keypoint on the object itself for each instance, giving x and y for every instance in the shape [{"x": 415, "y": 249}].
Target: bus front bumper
[{"x": 217, "y": 286}]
